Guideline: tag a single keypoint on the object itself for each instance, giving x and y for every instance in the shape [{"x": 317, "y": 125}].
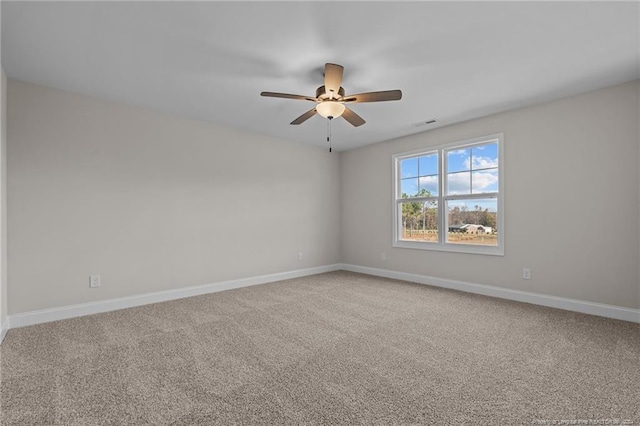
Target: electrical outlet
[
  {"x": 383, "y": 256},
  {"x": 300, "y": 256},
  {"x": 94, "y": 281},
  {"x": 526, "y": 273}
]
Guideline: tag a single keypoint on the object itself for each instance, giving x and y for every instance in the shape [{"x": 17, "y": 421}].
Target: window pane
[
  {"x": 484, "y": 181},
  {"x": 409, "y": 167},
  {"x": 459, "y": 183},
  {"x": 428, "y": 165},
  {"x": 429, "y": 185},
  {"x": 419, "y": 221},
  {"x": 458, "y": 160},
  {"x": 472, "y": 221},
  {"x": 484, "y": 156},
  {"x": 409, "y": 187}
]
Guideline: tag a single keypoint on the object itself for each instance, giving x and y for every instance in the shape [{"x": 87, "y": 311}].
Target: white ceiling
[{"x": 210, "y": 60}]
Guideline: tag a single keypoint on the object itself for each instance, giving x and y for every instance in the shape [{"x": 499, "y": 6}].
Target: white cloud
[
  {"x": 484, "y": 162},
  {"x": 485, "y": 181},
  {"x": 458, "y": 183},
  {"x": 430, "y": 183}
]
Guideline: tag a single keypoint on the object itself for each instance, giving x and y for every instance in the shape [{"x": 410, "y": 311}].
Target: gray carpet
[{"x": 335, "y": 348}]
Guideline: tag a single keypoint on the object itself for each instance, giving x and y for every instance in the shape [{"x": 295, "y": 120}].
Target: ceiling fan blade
[
  {"x": 287, "y": 96},
  {"x": 386, "y": 95},
  {"x": 304, "y": 117},
  {"x": 353, "y": 118},
  {"x": 333, "y": 78}
]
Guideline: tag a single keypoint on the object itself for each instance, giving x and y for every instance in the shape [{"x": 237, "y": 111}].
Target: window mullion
[
  {"x": 418, "y": 199},
  {"x": 471, "y": 196}
]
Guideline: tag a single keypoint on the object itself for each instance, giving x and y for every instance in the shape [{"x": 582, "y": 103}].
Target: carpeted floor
[{"x": 335, "y": 348}]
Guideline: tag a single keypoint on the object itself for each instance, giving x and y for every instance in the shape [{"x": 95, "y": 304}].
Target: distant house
[
  {"x": 474, "y": 229},
  {"x": 457, "y": 228},
  {"x": 470, "y": 229}
]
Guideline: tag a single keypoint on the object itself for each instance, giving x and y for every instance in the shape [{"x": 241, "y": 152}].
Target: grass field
[{"x": 452, "y": 237}]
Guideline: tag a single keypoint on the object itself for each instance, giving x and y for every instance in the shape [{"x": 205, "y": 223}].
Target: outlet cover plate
[{"x": 94, "y": 281}]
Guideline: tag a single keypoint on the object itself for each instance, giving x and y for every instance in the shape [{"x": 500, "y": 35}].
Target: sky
[{"x": 472, "y": 170}]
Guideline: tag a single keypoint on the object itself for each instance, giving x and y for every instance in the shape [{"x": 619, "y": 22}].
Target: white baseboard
[
  {"x": 609, "y": 311},
  {"x": 3, "y": 329},
  {"x": 72, "y": 311}
]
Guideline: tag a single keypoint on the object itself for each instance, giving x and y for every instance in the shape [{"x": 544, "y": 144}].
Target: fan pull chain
[{"x": 329, "y": 132}]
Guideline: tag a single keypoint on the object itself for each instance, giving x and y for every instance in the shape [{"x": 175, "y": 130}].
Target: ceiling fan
[{"x": 330, "y": 99}]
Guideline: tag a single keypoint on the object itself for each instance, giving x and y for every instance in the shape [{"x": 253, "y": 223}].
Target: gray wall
[
  {"x": 571, "y": 200},
  {"x": 153, "y": 202}
]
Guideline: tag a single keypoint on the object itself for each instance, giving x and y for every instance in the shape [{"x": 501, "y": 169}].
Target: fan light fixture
[
  {"x": 331, "y": 109},
  {"x": 330, "y": 98}
]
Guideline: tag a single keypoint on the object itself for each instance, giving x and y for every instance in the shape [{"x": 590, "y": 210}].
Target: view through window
[{"x": 449, "y": 197}]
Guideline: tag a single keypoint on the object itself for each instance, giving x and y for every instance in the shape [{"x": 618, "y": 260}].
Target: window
[{"x": 451, "y": 197}]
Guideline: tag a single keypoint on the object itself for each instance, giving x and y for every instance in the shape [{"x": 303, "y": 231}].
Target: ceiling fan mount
[
  {"x": 321, "y": 93},
  {"x": 330, "y": 98}
]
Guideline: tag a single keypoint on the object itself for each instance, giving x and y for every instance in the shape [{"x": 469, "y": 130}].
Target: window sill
[{"x": 452, "y": 248}]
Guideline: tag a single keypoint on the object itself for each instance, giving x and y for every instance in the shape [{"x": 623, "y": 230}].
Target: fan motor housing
[{"x": 321, "y": 93}]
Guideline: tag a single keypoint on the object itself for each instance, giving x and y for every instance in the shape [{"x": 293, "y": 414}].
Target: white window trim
[{"x": 442, "y": 245}]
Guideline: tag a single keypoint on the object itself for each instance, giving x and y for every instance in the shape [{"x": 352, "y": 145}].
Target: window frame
[{"x": 442, "y": 198}]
